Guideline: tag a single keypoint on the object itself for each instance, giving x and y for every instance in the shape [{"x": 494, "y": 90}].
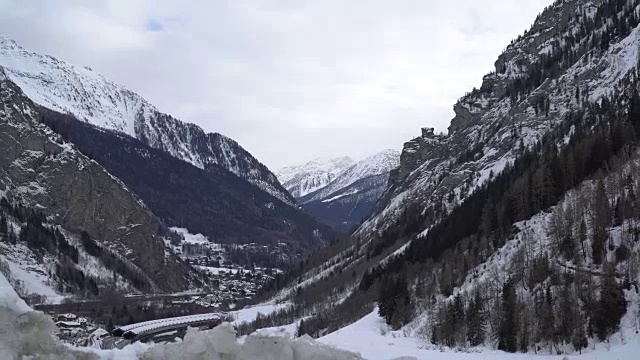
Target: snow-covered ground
[
  {"x": 370, "y": 336},
  {"x": 190, "y": 238},
  {"x": 26, "y": 333},
  {"x": 249, "y": 314},
  {"x": 377, "y": 164}
]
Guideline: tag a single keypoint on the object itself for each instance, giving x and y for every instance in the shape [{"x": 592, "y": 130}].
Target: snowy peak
[
  {"x": 339, "y": 191},
  {"x": 301, "y": 180},
  {"x": 63, "y": 87},
  {"x": 378, "y": 164},
  {"x": 90, "y": 97}
]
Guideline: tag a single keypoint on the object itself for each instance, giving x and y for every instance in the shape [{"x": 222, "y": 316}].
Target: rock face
[
  {"x": 90, "y": 97},
  {"x": 554, "y": 68},
  {"x": 39, "y": 169},
  {"x": 413, "y": 153}
]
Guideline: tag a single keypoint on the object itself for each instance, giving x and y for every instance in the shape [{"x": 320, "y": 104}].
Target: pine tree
[
  {"x": 301, "y": 328},
  {"x": 4, "y": 228},
  {"x": 508, "y": 331},
  {"x": 402, "y": 309},
  {"x": 568, "y": 315},
  {"x": 385, "y": 299},
  {"x": 110, "y": 326},
  {"x": 547, "y": 319},
  {"x": 582, "y": 237},
  {"x": 601, "y": 220},
  {"x": 476, "y": 321},
  {"x": 610, "y": 307},
  {"x": 456, "y": 321}
]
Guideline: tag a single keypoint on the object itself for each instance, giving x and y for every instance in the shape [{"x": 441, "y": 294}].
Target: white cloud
[{"x": 289, "y": 79}]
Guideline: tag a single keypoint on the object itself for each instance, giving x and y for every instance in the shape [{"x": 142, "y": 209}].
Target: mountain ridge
[
  {"x": 43, "y": 172},
  {"x": 92, "y": 98},
  {"x": 341, "y": 191},
  {"x": 301, "y": 180}
]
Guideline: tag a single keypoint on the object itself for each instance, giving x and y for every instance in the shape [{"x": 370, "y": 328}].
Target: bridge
[{"x": 148, "y": 329}]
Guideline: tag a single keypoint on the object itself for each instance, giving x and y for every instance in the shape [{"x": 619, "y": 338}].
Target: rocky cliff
[{"x": 40, "y": 170}]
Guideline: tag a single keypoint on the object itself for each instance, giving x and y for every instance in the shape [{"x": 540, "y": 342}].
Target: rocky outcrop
[
  {"x": 39, "y": 169},
  {"x": 414, "y": 153}
]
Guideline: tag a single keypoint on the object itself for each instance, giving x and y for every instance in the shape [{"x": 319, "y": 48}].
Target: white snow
[
  {"x": 249, "y": 314},
  {"x": 141, "y": 328},
  {"x": 217, "y": 270},
  {"x": 79, "y": 91},
  {"x": 621, "y": 58},
  {"x": 26, "y": 334},
  {"x": 26, "y": 273},
  {"x": 9, "y": 299},
  {"x": 377, "y": 164},
  {"x": 191, "y": 238},
  {"x": 301, "y": 180},
  {"x": 371, "y": 337},
  {"x": 351, "y": 192}
]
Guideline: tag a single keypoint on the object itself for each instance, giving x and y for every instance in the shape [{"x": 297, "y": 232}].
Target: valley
[{"x": 127, "y": 233}]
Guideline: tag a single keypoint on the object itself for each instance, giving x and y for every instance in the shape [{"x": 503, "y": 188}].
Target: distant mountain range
[{"x": 340, "y": 191}]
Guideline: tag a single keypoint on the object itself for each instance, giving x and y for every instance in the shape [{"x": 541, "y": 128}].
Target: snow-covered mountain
[
  {"x": 555, "y": 68},
  {"x": 172, "y": 173},
  {"x": 340, "y": 191},
  {"x": 301, "y": 180},
  {"x": 66, "y": 222},
  {"x": 90, "y": 97},
  {"x": 378, "y": 164}
]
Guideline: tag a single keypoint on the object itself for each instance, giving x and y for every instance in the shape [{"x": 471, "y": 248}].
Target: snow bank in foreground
[
  {"x": 25, "y": 333},
  {"x": 220, "y": 344}
]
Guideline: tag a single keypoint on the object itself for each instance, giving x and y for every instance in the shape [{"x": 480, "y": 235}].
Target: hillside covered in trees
[{"x": 535, "y": 251}]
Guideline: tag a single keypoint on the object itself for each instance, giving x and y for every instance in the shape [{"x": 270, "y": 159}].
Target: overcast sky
[{"x": 290, "y": 80}]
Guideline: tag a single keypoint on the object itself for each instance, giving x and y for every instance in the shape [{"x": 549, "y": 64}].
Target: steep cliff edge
[{"x": 40, "y": 170}]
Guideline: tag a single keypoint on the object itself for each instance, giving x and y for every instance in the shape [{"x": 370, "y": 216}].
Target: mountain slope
[
  {"x": 90, "y": 97},
  {"x": 557, "y": 66},
  {"x": 523, "y": 218},
  {"x": 216, "y": 203},
  {"x": 301, "y": 180},
  {"x": 41, "y": 172}
]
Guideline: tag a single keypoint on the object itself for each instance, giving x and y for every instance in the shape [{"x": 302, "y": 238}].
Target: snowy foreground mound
[{"x": 25, "y": 333}]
